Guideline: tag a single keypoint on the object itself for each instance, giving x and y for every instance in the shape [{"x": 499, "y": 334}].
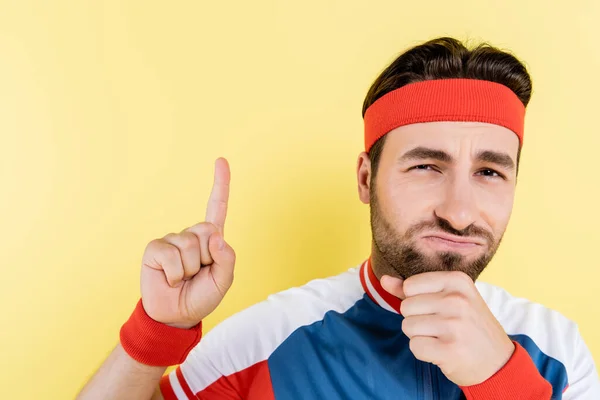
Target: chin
[{"x": 451, "y": 261}]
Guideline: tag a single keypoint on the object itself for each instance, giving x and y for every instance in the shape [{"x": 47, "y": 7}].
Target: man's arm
[
  {"x": 122, "y": 377},
  {"x": 184, "y": 277}
]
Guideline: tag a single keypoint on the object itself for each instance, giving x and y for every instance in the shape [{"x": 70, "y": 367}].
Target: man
[{"x": 443, "y": 135}]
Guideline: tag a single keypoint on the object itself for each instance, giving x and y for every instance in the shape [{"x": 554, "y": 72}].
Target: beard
[{"x": 400, "y": 252}]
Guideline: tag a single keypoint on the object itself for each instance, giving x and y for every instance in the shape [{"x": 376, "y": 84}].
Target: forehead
[{"x": 454, "y": 137}]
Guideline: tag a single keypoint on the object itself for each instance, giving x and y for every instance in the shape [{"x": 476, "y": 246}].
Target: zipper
[{"x": 427, "y": 382}]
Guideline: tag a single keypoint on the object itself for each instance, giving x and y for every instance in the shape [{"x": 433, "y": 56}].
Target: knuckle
[
  {"x": 453, "y": 328},
  {"x": 175, "y": 275},
  {"x": 406, "y": 327},
  {"x": 189, "y": 241},
  {"x": 210, "y": 229},
  {"x": 174, "y": 272},
  {"x": 171, "y": 253},
  {"x": 203, "y": 229},
  {"x": 461, "y": 277},
  {"x": 406, "y": 306},
  {"x": 457, "y": 301},
  {"x": 154, "y": 245},
  {"x": 415, "y": 346},
  {"x": 407, "y": 287},
  {"x": 207, "y": 226},
  {"x": 206, "y": 258},
  {"x": 220, "y": 203},
  {"x": 169, "y": 236}
]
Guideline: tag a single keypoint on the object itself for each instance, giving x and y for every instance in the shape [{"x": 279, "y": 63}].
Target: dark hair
[{"x": 444, "y": 58}]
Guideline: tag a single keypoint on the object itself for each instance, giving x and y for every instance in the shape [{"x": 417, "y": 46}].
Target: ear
[{"x": 363, "y": 177}]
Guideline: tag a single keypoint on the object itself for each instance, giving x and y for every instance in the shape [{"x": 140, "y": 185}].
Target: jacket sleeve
[
  {"x": 251, "y": 383},
  {"x": 230, "y": 361},
  {"x": 518, "y": 379},
  {"x": 584, "y": 383}
]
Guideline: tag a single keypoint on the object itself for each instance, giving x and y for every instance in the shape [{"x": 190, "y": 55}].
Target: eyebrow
[
  {"x": 425, "y": 153},
  {"x": 487, "y": 156},
  {"x": 494, "y": 157}
]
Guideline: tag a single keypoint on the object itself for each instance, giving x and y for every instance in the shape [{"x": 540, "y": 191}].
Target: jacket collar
[{"x": 375, "y": 291}]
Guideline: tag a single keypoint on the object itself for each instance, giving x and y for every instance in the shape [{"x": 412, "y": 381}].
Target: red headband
[{"x": 444, "y": 100}]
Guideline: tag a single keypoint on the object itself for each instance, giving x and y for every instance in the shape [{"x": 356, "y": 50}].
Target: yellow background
[{"x": 112, "y": 113}]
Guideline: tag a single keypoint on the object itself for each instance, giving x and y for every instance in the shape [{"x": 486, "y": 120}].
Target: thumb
[
  {"x": 223, "y": 259},
  {"x": 393, "y": 285}
]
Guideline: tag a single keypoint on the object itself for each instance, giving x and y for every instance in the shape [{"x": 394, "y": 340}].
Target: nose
[{"x": 458, "y": 205}]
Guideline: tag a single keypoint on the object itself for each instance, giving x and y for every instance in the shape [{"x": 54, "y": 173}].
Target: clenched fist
[
  {"x": 185, "y": 275},
  {"x": 450, "y": 325}
]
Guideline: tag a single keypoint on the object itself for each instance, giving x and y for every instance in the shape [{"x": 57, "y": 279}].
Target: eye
[
  {"x": 423, "y": 167},
  {"x": 490, "y": 173}
]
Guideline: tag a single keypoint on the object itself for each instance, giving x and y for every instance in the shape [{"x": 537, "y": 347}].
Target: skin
[{"x": 449, "y": 208}]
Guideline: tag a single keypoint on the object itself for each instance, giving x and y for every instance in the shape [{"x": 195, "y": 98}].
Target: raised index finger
[{"x": 216, "y": 210}]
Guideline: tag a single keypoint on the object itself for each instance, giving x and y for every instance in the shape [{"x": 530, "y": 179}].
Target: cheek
[
  {"x": 405, "y": 202},
  {"x": 497, "y": 207}
]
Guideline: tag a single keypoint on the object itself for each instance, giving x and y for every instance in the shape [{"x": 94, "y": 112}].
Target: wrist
[
  {"x": 519, "y": 378},
  {"x": 496, "y": 362},
  {"x": 153, "y": 343},
  {"x": 504, "y": 356},
  {"x": 183, "y": 325}
]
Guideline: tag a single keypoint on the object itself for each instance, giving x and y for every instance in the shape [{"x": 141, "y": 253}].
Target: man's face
[{"x": 443, "y": 195}]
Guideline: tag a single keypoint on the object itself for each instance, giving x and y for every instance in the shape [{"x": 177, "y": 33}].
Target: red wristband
[{"x": 153, "y": 343}]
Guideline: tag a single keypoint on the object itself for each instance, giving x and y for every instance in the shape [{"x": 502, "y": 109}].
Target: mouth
[{"x": 448, "y": 242}]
